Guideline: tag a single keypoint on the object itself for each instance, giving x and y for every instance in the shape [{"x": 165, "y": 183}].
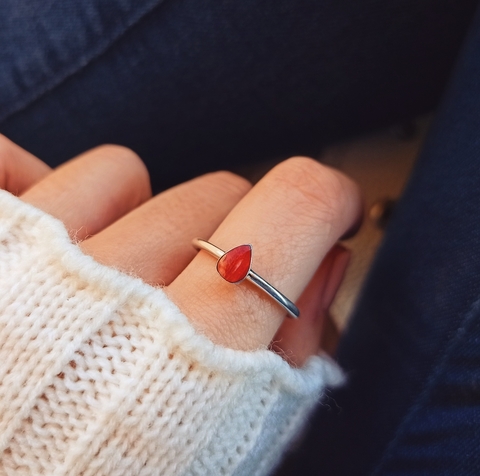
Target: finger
[
  {"x": 297, "y": 340},
  {"x": 19, "y": 169},
  {"x": 292, "y": 217},
  {"x": 153, "y": 242},
  {"x": 330, "y": 336},
  {"x": 93, "y": 190}
]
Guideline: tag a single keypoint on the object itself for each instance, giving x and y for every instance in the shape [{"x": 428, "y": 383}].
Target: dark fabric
[
  {"x": 195, "y": 86},
  {"x": 43, "y": 43},
  {"x": 412, "y": 405},
  {"x": 198, "y": 86}
]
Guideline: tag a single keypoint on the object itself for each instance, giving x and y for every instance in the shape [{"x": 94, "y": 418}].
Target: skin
[{"x": 293, "y": 218}]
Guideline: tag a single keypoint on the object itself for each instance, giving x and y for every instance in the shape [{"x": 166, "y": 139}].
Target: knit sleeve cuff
[{"x": 101, "y": 373}]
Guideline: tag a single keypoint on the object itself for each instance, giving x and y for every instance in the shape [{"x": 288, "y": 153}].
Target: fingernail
[{"x": 341, "y": 258}]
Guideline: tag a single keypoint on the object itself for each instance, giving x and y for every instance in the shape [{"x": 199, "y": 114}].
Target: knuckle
[
  {"x": 314, "y": 187},
  {"x": 127, "y": 159},
  {"x": 119, "y": 153},
  {"x": 229, "y": 183}
]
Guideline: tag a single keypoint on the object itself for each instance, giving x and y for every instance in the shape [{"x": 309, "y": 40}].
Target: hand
[{"x": 292, "y": 217}]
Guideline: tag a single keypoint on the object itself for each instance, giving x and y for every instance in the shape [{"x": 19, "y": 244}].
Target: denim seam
[
  {"x": 78, "y": 66},
  {"x": 432, "y": 380}
]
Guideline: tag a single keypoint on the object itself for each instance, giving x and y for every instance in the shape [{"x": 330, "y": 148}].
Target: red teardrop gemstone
[{"x": 235, "y": 264}]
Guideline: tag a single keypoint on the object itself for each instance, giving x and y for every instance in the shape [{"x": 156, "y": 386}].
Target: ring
[{"x": 235, "y": 265}]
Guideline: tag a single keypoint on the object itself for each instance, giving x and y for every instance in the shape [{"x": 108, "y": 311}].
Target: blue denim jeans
[
  {"x": 412, "y": 404},
  {"x": 192, "y": 87}
]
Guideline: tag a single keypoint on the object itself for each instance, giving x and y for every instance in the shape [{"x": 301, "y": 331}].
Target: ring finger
[{"x": 292, "y": 217}]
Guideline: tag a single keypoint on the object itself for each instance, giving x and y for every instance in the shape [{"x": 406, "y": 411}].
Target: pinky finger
[
  {"x": 297, "y": 340},
  {"x": 19, "y": 169}
]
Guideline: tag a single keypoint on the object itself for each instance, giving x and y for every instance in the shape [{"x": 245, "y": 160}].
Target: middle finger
[{"x": 153, "y": 241}]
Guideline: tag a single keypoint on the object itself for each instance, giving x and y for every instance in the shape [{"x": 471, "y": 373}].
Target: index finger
[
  {"x": 292, "y": 218},
  {"x": 19, "y": 169}
]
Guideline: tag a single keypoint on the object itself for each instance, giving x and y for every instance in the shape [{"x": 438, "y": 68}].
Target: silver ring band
[{"x": 253, "y": 277}]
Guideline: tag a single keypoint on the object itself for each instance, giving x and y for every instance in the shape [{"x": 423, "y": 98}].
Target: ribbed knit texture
[{"x": 100, "y": 374}]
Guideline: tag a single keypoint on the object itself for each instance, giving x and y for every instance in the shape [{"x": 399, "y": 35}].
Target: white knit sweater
[{"x": 100, "y": 374}]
